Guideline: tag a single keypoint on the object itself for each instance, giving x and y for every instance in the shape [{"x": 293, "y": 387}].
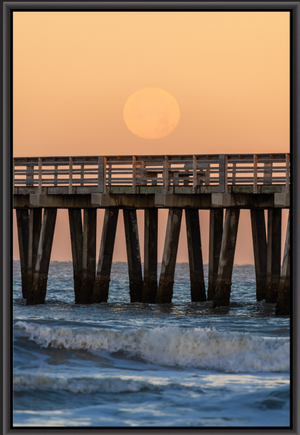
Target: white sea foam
[
  {"x": 78, "y": 385},
  {"x": 174, "y": 346}
]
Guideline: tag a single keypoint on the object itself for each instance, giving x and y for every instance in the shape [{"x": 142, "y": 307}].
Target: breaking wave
[{"x": 199, "y": 348}]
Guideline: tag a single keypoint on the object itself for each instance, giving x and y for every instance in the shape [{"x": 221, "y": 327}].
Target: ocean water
[{"x": 119, "y": 364}]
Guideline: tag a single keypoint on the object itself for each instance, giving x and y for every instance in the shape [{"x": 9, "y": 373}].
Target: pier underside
[{"x": 36, "y": 216}]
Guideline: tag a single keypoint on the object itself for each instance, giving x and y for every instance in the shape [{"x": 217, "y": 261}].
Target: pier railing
[{"x": 102, "y": 173}]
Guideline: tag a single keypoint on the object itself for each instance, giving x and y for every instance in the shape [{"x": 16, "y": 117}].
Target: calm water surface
[{"x": 122, "y": 364}]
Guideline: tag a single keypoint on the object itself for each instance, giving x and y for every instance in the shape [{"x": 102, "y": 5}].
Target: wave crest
[{"x": 173, "y": 346}]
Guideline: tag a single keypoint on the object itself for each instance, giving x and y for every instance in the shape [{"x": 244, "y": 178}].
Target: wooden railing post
[
  {"x": 29, "y": 175},
  {"x": 254, "y": 173},
  {"x": 102, "y": 174},
  {"x": 166, "y": 174},
  {"x": 194, "y": 174},
  {"x": 109, "y": 175},
  {"x": 233, "y": 173},
  {"x": 268, "y": 174},
  {"x": 143, "y": 174},
  {"x": 207, "y": 175},
  {"x": 40, "y": 176},
  {"x": 133, "y": 174},
  {"x": 70, "y": 174},
  {"x": 14, "y": 168},
  {"x": 55, "y": 174},
  {"x": 287, "y": 173},
  {"x": 82, "y": 174},
  {"x": 223, "y": 160}
]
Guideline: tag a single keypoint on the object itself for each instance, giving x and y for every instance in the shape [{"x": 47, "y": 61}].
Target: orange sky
[{"x": 73, "y": 73}]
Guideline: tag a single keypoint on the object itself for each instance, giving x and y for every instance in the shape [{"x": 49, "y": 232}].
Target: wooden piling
[
  {"x": 260, "y": 251},
  {"x": 150, "y": 255},
  {"x": 195, "y": 255},
  {"x": 76, "y": 234},
  {"x": 35, "y": 224},
  {"x": 37, "y": 292},
  {"x": 215, "y": 240},
  {"x": 283, "y": 300},
  {"x": 166, "y": 281},
  {"x": 133, "y": 255},
  {"x": 88, "y": 255},
  {"x": 223, "y": 283},
  {"x": 101, "y": 286},
  {"x": 23, "y": 238},
  {"x": 273, "y": 254}
]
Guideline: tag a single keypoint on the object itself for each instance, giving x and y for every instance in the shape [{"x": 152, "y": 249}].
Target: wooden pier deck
[{"x": 176, "y": 182}]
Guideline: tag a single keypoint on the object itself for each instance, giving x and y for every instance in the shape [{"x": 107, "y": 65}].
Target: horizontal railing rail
[{"x": 104, "y": 172}]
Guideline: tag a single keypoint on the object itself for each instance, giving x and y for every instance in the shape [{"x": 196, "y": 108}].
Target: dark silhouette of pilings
[
  {"x": 283, "y": 300},
  {"x": 83, "y": 242},
  {"x": 37, "y": 292},
  {"x": 91, "y": 285},
  {"x": 195, "y": 255},
  {"x": 101, "y": 286},
  {"x": 166, "y": 281},
  {"x": 273, "y": 254},
  {"x": 260, "y": 251},
  {"x": 215, "y": 240},
  {"x": 89, "y": 254},
  {"x": 23, "y": 237},
  {"x": 76, "y": 233},
  {"x": 223, "y": 283},
  {"x": 150, "y": 255},
  {"x": 133, "y": 255}
]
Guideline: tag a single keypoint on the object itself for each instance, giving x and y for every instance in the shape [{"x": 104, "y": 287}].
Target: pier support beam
[
  {"x": 223, "y": 283},
  {"x": 260, "y": 251},
  {"x": 150, "y": 255},
  {"x": 195, "y": 255},
  {"x": 215, "y": 240},
  {"x": 133, "y": 255},
  {"x": 23, "y": 238},
  {"x": 283, "y": 301},
  {"x": 37, "y": 293},
  {"x": 273, "y": 254},
  {"x": 88, "y": 255},
  {"x": 102, "y": 280},
  {"x": 75, "y": 222},
  {"x": 166, "y": 281},
  {"x": 35, "y": 224}
]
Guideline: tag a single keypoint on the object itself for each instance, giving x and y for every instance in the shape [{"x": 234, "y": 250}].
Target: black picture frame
[{"x": 8, "y": 7}]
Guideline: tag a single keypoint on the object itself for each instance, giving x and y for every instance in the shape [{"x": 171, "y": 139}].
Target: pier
[{"x": 179, "y": 183}]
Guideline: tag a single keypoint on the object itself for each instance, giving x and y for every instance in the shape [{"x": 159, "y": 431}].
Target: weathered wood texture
[
  {"x": 283, "y": 305},
  {"x": 133, "y": 255},
  {"x": 100, "y": 173},
  {"x": 260, "y": 251},
  {"x": 101, "y": 286},
  {"x": 215, "y": 241},
  {"x": 76, "y": 233},
  {"x": 23, "y": 237},
  {"x": 37, "y": 292},
  {"x": 88, "y": 255},
  {"x": 273, "y": 254},
  {"x": 223, "y": 283},
  {"x": 150, "y": 255},
  {"x": 195, "y": 255},
  {"x": 166, "y": 281},
  {"x": 35, "y": 224}
]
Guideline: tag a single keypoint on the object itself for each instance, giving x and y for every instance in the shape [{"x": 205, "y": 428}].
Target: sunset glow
[{"x": 73, "y": 72}]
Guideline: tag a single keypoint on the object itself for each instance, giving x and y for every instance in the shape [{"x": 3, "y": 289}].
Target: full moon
[{"x": 151, "y": 113}]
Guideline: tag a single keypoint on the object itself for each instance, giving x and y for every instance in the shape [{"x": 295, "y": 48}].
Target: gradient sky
[{"x": 74, "y": 71}]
